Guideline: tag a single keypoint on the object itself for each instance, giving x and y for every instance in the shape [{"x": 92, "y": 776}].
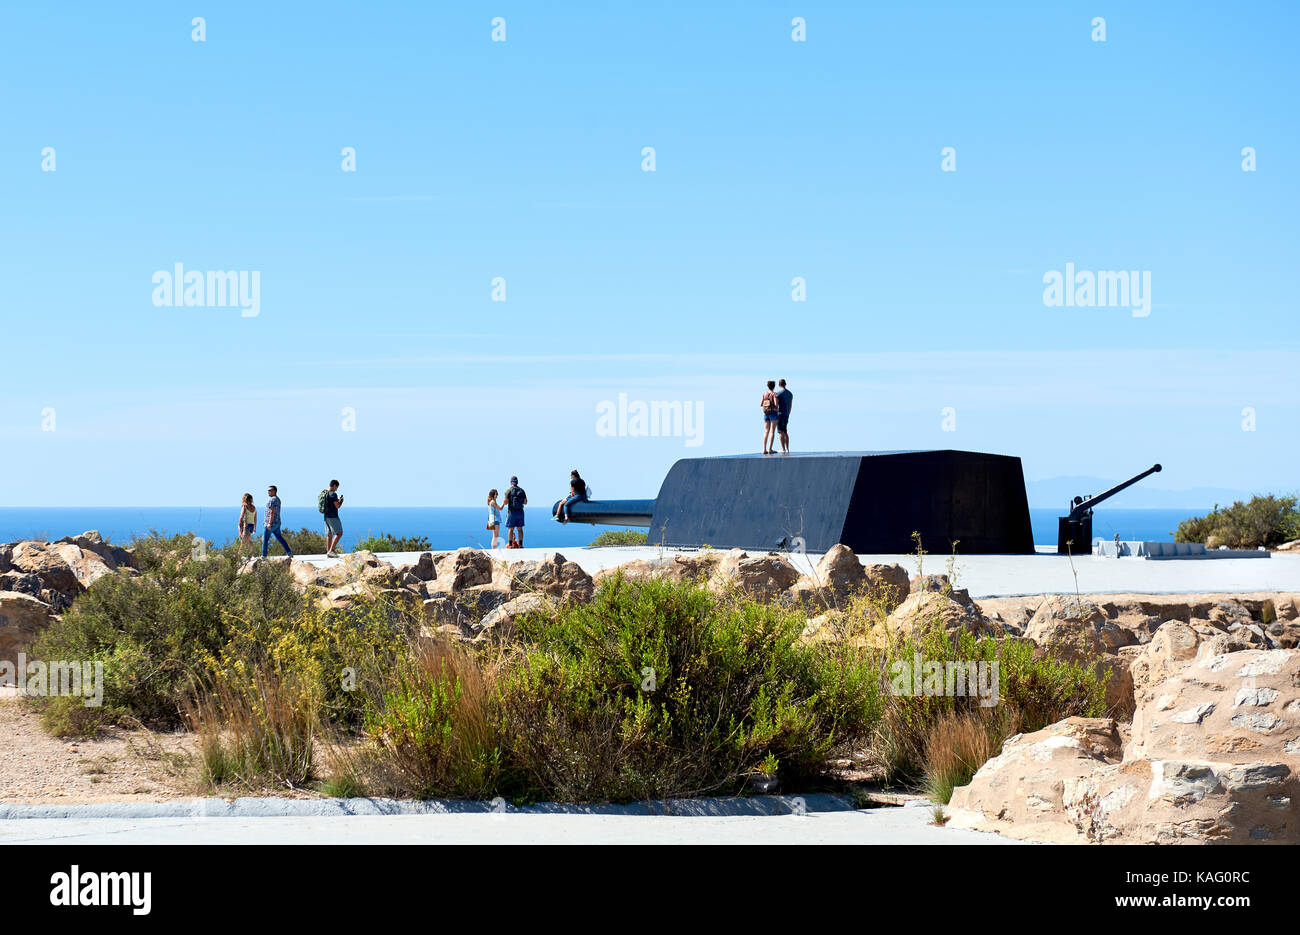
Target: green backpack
[{"x": 323, "y": 500}]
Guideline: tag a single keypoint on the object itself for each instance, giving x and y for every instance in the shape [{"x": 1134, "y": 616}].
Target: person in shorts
[
  {"x": 494, "y": 517},
  {"x": 516, "y": 500},
  {"x": 333, "y": 525},
  {"x": 771, "y": 412},
  {"x": 247, "y": 522}
]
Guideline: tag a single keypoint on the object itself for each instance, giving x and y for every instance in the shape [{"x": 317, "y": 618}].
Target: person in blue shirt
[{"x": 271, "y": 523}]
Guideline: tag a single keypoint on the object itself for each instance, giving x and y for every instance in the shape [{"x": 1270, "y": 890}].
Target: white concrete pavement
[
  {"x": 997, "y": 575},
  {"x": 890, "y": 825}
]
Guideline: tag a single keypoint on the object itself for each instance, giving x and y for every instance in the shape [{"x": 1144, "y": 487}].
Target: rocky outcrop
[
  {"x": 925, "y": 609},
  {"x": 675, "y": 568},
  {"x": 888, "y": 584},
  {"x": 463, "y": 569},
  {"x": 1212, "y": 757},
  {"x": 500, "y": 624},
  {"x": 764, "y": 577},
  {"x": 22, "y": 618},
  {"x": 1075, "y": 628},
  {"x": 555, "y": 576}
]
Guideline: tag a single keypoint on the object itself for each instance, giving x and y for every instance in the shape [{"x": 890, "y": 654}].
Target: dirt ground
[{"x": 116, "y": 766}]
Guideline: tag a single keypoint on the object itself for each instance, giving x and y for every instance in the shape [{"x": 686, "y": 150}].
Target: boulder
[
  {"x": 465, "y": 609},
  {"x": 1213, "y": 756},
  {"x": 48, "y": 564},
  {"x": 554, "y": 576},
  {"x": 22, "y": 618},
  {"x": 763, "y": 577},
  {"x": 113, "y": 556},
  {"x": 888, "y": 584},
  {"x": 840, "y": 572},
  {"x": 675, "y": 568},
  {"x": 425, "y": 568},
  {"x": 500, "y": 624},
  {"x": 463, "y": 569},
  {"x": 22, "y": 582},
  {"x": 924, "y": 609},
  {"x": 345, "y": 596},
  {"x": 1075, "y": 628},
  {"x": 6, "y": 556}
]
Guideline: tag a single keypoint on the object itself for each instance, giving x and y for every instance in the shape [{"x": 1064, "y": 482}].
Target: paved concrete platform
[
  {"x": 906, "y": 825},
  {"x": 998, "y": 575}
]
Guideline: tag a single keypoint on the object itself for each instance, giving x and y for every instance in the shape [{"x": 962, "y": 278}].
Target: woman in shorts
[
  {"x": 771, "y": 414},
  {"x": 494, "y": 517},
  {"x": 247, "y": 521}
]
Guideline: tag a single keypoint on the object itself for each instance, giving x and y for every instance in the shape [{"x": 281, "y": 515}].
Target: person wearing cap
[{"x": 516, "y": 500}]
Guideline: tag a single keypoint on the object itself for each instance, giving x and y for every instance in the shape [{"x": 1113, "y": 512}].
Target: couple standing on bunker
[{"x": 776, "y": 417}]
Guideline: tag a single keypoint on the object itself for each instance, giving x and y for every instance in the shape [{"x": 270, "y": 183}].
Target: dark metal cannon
[
  {"x": 610, "y": 512},
  {"x": 1074, "y": 532},
  {"x": 871, "y": 501}
]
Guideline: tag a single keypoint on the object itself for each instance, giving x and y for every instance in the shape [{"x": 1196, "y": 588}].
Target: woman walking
[
  {"x": 247, "y": 522},
  {"x": 771, "y": 414},
  {"x": 494, "y": 517}
]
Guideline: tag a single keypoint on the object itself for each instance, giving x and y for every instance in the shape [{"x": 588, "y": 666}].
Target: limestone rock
[
  {"x": 22, "y": 618},
  {"x": 425, "y": 568},
  {"x": 675, "y": 568},
  {"x": 1212, "y": 758},
  {"x": 763, "y": 577},
  {"x": 499, "y": 625},
  {"x": 923, "y": 609},
  {"x": 1075, "y": 628},
  {"x": 554, "y": 576},
  {"x": 463, "y": 569},
  {"x": 889, "y": 584}
]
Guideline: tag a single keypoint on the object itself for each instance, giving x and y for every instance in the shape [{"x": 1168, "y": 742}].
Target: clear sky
[{"x": 924, "y": 324}]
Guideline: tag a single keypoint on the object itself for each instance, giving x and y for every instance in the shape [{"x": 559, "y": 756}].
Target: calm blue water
[{"x": 446, "y": 527}]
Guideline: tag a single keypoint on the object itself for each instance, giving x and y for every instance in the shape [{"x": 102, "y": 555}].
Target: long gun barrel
[
  {"x": 609, "y": 512},
  {"x": 1074, "y": 532}
]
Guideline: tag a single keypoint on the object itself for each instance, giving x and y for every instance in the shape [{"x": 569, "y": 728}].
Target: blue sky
[{"x": 522, "y": 159}]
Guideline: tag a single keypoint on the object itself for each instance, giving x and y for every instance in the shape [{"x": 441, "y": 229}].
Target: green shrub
[
  {"x": 255, "y": 729},
  {"x": 1033, "y": 691},
  {"x": 389, "y": 543},
  {"x": 660, "y": 689},
  {"x": 1260, "y": 521},
  {"x": 619, "y": 537},
  {"x": 181, "y": 622}
]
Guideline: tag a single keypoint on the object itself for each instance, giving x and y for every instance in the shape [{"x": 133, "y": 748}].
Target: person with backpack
[
  {"x": 771, "y": 414},
  {"x": 328, "y": 503},
  {"x": 516, "y": 500}
]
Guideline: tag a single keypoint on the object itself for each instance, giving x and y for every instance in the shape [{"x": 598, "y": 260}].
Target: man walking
[
  {"x": 272, "y": 523},
  {"x": 330, "y": 501},
  {"x": 516, "y": 500},
  {"x": 784, "y": 400}
]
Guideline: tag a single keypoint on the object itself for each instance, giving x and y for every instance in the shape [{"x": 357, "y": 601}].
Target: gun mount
[
  {"x": 1074, "y": 532},
  {"x": 871, "y": 501}
]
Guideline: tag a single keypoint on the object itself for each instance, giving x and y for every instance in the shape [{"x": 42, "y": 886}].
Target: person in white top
[{"x": 494, "y": 518}]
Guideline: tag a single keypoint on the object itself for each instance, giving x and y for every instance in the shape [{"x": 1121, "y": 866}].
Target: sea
[{"x": 450, "y": 527}]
